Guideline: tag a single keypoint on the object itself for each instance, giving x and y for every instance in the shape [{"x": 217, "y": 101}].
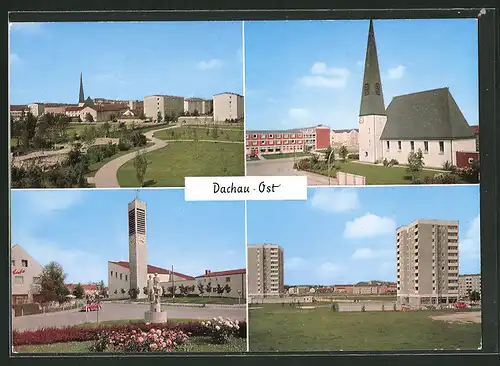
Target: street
[{"x": 116, "y": 311}]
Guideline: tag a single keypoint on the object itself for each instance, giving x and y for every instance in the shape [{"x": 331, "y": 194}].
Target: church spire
[
  {"x": 81, "y": 99},
  {"x": 372, "y": 98}
]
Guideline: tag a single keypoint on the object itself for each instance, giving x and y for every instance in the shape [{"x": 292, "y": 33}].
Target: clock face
[{"x": 360, "y": 120}]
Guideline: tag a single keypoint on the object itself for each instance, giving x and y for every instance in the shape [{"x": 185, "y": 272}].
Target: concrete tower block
[{"x": 138, "y": 258}]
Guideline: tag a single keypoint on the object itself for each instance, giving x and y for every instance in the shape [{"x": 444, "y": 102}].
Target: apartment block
[
  {"x": 163, "y": 105},
  {"x": 228, "y": 107},
  {"x": 265, "y": 270},
  {"x": 467, "y": 284},
  {"x": 427, "y": 262}
]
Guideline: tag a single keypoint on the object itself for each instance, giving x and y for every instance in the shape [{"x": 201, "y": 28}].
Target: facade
[
  {"x": 468, "y": 284},
  {"x": 164, "y": 105},
  {"x": 25, "y": 272},
  {"x": 73, "y": 111},
  {"x": 287, "y": 141},
  {"x": 88, "y": 289},
  {"x": 208, "y": 106},
  {"x": 348, "y": 138},
  {"x": 138, "y": 255},
  {"x": 427, "y": 262},
  {"x": 195, "y": 106},
  {"x": 429, "y": 121},
  {"x": 18, "y": 111},
  {"x": 103, "y": 112},
  {"x": 37, "y": 109},
  {"x": 228, "y": 107},
  {"x": 475, "y": 131},
  {"x": 265, "y": 270},
  {"x": 232, "y": 281}
]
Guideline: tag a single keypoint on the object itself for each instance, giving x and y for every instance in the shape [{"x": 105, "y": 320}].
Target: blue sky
[
  {"x": 84, "y": 229},
  {"x": 348, "y": 235},
  {"x": 301, "y": 73},
  {"x": 124, "y": 60}
]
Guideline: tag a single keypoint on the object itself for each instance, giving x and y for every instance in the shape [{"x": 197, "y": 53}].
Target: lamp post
[
  {"x": 239, "y": 297},
  {"x": 329, "y": 166}
]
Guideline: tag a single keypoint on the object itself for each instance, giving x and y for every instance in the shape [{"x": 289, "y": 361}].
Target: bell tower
[
  {"x": 81, "y": 98},
  {"x": 138, "y": 257},
  {"x": 372, "y": 115}
]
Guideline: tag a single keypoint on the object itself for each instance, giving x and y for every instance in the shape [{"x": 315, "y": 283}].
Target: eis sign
[{"x": 18, "y": 271}]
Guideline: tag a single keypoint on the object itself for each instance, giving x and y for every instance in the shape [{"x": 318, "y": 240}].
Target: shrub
[
  {"x": 335, "y": 307},
  {"x": 385, "y": 162},
  {"x": 393, "y": 162},
  {"x": 221, "y": 330},
  {"x": 449, "y": 166},
  {"x": 124, "y": 144},
  {"x": 155, "y": 340},
  {"x": 363, "y": 308},
  {"x": 443, "y": 178},
  {"x": 80, "y": 334}
]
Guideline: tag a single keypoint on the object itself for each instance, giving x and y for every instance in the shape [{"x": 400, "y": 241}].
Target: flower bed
[
  {"x": 221, "y": 330},
  {"x": 80, "y": 334}
]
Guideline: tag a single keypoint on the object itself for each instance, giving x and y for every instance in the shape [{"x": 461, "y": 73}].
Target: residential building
[
  {"x": 287, "y": 141},
  {"x": 57, "y": 108},
  {"x": 427, "y": 262},
  {"x": 208, "y": 106},
  {"x": 467, "y": 284},
  {"x": 25, "y": 273},
  {"x": 164, "y": 106},
  {"x": 73, "y": 111},
  {"x": 265, "y": 270},
  {"x": 430, "y": 121},
  {"x": 37, "y": 109},
  {"x": 102, "y": 112},
  {"x": 18, "y": 111},
  {"x": 88, "y": 289},
  {"x": 228, "y": 107},
  {"x": 232, "y": 281},
  {"x": 348, "y": 138},
  {"x": 194, "y": 106}
]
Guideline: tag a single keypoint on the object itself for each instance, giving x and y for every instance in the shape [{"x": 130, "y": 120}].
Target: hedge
[{"x": 81, "y": 333}]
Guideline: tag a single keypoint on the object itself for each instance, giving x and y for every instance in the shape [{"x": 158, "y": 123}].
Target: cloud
[
  {"x": 328, "y": 272},
  {"x": 325, "y": 77},
  {"x": 14, "y": 58},
  {"x": 396, "y": 73},
  {"x": 470, "y": 247},
  {"x": 299, "y": 114},
  {"x": 210, "y": 64},
  {"x": 47, "y": 201},
  {"x": 368, "y": 253},
  {"x": 26, "y": 28},
  {"x": 335, "y": 200},
  {"x": 295, "y": 263},
  {"x": 369, "y": 225}
]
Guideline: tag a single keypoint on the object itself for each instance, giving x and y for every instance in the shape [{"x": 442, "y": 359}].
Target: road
[
  {"x": 116, "y": 311},
  {"x": 284, "y": 167}
]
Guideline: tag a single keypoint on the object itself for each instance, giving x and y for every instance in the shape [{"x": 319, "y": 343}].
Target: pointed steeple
[
  {"x": 372, "y": 98},
  {"x": 81, "y": 99}
]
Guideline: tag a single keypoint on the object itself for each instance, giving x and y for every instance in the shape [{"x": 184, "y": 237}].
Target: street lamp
[
  {"x": 239, "y": 297},
  {"x": 329, "y": 166}
]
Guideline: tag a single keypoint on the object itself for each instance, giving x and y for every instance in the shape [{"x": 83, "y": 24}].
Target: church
[{"x": 429, "y": 120}]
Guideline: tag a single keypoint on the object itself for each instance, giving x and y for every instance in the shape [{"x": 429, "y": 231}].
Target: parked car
[
  {"x": 461, "y": 305},
  {"x": 91, "y": 306}
]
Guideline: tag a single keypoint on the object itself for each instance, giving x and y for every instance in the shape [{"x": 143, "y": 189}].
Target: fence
[
  {"x": 348, "y": 179},
  {"x": 281, "y": 300},
  {"x": 36, "y": 308}
]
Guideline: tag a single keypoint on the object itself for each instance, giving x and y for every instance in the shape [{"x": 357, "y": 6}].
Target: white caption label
[{"x": 245, "y": 188}]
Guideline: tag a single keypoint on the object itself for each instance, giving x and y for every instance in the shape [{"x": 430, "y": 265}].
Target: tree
[
  {"x": 78, "y": 291},
  {"x": 123, "y": 291},
  {"x": 89, "y": 117},
  {"x": 101, "y": 289},
  {"x": 415, "y": 165},
  {"x": 183, "y": 289},
  {"x": 343, "y": 152},
  {"x": 220, "y": 289},
  {"x": 51, "y": 282},
  {"x": 201, "y": 288},
  {"x": 475, "y": 296},
  {"x": 106, "y": 126},
  {"x": 172, "y": 290},
  {"x": 159, "y": 117},
  {"x": 227, "y": 288},
  {"x": 141, "y": 166},
  {"x": 208, "y": 288}
]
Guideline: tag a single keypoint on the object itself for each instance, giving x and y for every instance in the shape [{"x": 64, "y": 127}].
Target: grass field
[
  {"x": 376, "y": 174},
  {"x": 203, "y": 133},
  {"x": 79, "y": 127},
  {"x": 277, "y": 328},
  {"x": 169, "y": 166},
  {"x": 203, "y": 300},
  {"x": 195, "y": 344},
  {"x": 284, "y": 155}
]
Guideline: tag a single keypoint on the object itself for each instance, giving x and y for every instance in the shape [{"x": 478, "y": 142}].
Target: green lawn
[
  {"x": 376, "y": 174},
  {"x": 14, "y": 141},
  {"x": 366, "y": 297},
  {"x": 284, "y": 155},
  {"x": 186, "y": 133},
  {"x": 195, "y": 344},
  {"x": 202, "y": 300},
  {"x": 168, "y": 166},
  {"x": 277, "y": 328},
  {"x": 79, "y": 127},
  {"x": 93, "y": 168}
]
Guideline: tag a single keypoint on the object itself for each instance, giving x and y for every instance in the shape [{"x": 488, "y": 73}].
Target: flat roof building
[
  {"x": 468, "y": 284},
  {"x": 228, "y": 107},
  {"x": 265, "y": 270},
  {"x": 427, "y": 262}
]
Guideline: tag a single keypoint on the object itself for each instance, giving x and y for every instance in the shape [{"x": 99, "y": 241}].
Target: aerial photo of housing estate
[
  {"x": 363, "y": 102},
  {"x": 137, "y": 270},
  {"x": 146, "y": 109},
  {"x": 368, "y": 268}
]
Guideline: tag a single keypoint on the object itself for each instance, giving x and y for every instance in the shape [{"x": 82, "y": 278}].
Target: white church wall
[
  {"x": 118, "y": 279},
  {"x": 433, "y": 156},
  {"x": 370, "y": 145},
  {"x": 236, "y": 282}
]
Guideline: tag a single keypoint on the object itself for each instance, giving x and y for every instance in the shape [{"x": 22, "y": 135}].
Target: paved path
[
  {"x": 106, "y": 176},
  {"x": 110, "y": 312},
  {"x": 284, "y": 167}
]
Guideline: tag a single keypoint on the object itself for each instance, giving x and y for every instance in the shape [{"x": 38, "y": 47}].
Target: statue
[
  {"x": 150, "y": 289},
  {"x": 155, "y": 291}
]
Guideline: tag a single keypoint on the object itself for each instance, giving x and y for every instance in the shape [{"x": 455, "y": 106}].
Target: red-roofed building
[
  {"x": 88, "y": 289},
  {"x": 103, "y": 112},
  {"x": 17, "y": 111}
]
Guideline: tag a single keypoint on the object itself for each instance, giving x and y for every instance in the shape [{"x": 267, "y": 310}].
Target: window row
[{"x": 412, "y": 146}]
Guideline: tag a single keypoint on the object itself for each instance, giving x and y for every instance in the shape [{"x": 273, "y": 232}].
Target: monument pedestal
[{"x": 155, "y": 317}]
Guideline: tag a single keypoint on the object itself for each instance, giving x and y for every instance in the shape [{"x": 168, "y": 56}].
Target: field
[
  {"x": 379, "y": 175},
  {"x": 284, "y": 155},
  {"x": 284, "y": 328},
  {"x": 168, "y": 166},
  {"x": 202, "y": 133}
]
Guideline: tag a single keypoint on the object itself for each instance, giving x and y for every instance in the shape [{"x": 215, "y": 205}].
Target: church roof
[
  {"x": 154, "y": 269},
  {"x": 372, "y": 98},
  {"x": 426, "y": 115}
]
